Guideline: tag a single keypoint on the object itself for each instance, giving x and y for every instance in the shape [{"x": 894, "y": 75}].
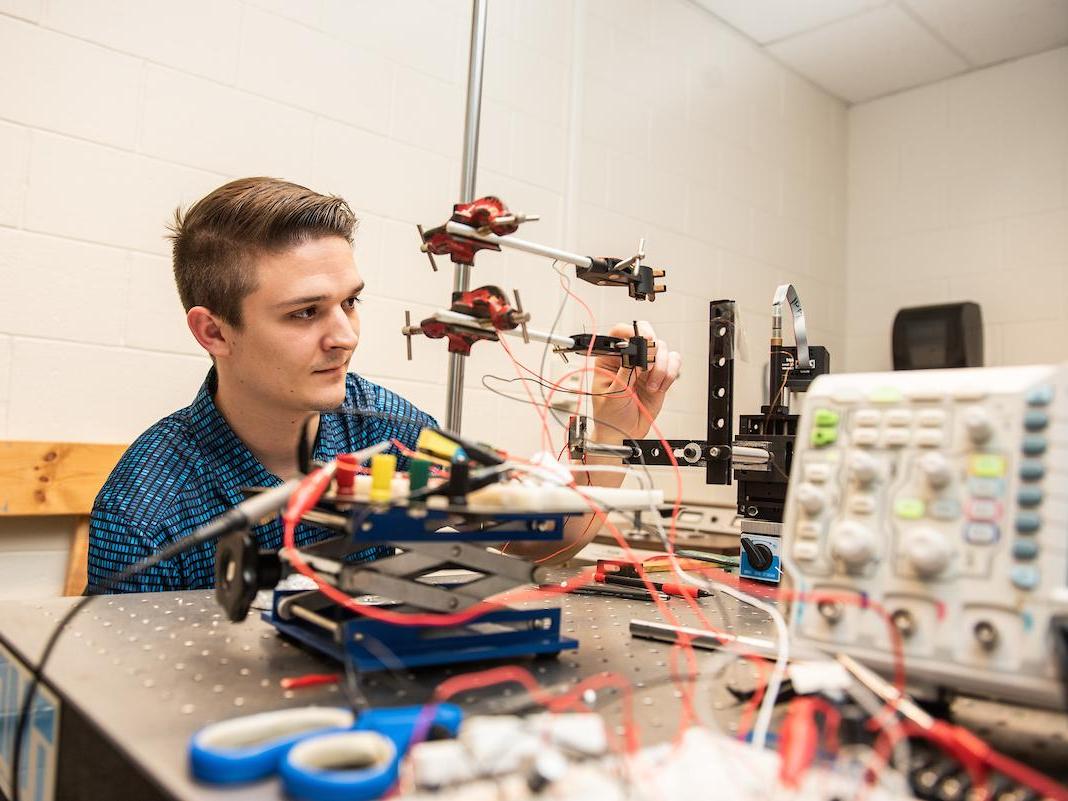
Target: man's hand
[{"x": 616, "y": 415}]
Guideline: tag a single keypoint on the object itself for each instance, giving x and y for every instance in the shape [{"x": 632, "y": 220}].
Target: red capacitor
[{"x": 345, "y": 475}]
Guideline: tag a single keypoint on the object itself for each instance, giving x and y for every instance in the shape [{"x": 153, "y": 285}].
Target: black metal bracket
[
  {"x": 640, "y": 279},
  {"x": 714, "y": 451},
  {"x": 632, "y": 351}
]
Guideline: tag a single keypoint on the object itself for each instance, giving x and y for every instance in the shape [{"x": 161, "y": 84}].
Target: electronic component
[
  {"x": 440, "y": 522},
  {"x": 947, "y": 335},
  {"x": 936, "y": 495},
  {"x": 761, "y": 456}
]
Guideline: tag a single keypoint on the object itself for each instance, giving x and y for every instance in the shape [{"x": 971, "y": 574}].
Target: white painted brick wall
[
  {"x": 199, "y": 123},
  {"x": 14, "y": 160},
  {"x": 99, "y": 194},
  {"x": 959, "y": 191},
  {"x": 92, "y": 393},
  {"x": 195, "y": 36},
  {"x": 54, "y": 73},
  {"x": 58, "y": 288},
  {"x": 612, "y": 120}
]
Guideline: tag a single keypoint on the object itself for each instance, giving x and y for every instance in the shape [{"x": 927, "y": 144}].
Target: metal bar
[
  {"x": 454, "y": 400},
  {"x": 459, "y": 229},
  {"x": 700, "y": 638},
  {"x": 722, "y": 336}
]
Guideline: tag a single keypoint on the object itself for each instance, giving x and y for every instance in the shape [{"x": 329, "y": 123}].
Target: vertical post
[{"x": 462, "y": 276}]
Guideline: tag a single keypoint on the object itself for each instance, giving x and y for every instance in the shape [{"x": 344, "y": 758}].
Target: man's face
[{"x": 299, "y": 327}]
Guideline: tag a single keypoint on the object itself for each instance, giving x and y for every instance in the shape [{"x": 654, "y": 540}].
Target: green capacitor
[{"x": 418, "y": 475}]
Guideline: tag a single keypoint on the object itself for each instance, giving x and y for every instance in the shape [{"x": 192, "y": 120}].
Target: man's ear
[{"x": 214, "y": 335}]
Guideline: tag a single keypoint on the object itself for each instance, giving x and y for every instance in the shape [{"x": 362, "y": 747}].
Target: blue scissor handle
[
  {"x": 399, "y": 723},
  {"x": 340, "y": 766},
  {"x": 255, "y": 746},
  {"x": 248, "y": 748},
  {"x": 362, "y": 764}
]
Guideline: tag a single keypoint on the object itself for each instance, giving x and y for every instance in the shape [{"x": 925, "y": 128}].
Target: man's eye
[
  {"x": 304, "y": 314},
  {"x": 350, "y": 303}
]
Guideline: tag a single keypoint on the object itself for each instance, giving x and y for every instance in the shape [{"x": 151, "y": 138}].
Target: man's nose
[{"x": 342, "y": 332}]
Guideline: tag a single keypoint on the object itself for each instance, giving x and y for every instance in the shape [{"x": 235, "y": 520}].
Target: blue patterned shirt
[{"x": 189, "y": 467}]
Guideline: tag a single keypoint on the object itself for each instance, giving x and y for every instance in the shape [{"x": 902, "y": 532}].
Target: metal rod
[
  {"x": 456, "y": 318},
  {"x": 459, "y": 229},
  {"x": 600, "y": 449},
  {"x": 699, "y": 638},
  {"x": 454, "y": 399},
  {"x": 314, "y": 618},
  {"x": 744, "y": 454}
]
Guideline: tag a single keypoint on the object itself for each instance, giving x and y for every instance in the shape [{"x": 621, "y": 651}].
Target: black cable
[{"x": 232, "y": 520}]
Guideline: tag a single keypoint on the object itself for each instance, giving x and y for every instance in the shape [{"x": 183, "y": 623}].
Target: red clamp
[
  {"x": 485, "y": 303},
  {"x": 489, "y": 303},
  {"x": 487, "y": 214}
]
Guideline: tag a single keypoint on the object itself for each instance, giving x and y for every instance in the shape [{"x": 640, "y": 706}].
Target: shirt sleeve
[{"x": 115, "y": 544}]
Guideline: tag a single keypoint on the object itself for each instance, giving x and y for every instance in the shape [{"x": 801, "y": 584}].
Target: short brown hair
[{"x": 217, "y": 238}]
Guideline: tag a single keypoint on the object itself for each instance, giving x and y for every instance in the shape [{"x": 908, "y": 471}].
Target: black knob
[
  {"x": 759, "y": 555},
  {"x": 241, "y": 571}
]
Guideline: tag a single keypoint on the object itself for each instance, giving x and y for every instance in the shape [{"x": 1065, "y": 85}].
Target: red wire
[{"x": 316, "y": 483}]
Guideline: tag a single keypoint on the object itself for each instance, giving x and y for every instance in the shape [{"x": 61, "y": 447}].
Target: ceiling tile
[
  {"x": 989, "y": 31},
  {"x": 870, "y": 54},
  {"x": 770, "y": 20}
]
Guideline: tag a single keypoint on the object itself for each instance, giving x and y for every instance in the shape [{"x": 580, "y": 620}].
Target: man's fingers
[
  {"x": 658, "y": 369},
  {"x": 673, "y": 368}
]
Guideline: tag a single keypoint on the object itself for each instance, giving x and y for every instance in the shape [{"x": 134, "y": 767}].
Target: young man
[{"x": 266, "y": 274}]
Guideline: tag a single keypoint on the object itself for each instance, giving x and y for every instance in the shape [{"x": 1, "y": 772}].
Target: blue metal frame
[
  {"x": 418, "y": 646},
  {"x": 396, "y": 524}
]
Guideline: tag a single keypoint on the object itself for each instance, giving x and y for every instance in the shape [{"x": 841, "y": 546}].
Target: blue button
[
  {"x": 1034, "y": 445},
  {"x": 985, "y": 487},
  {"x": 981, "y": 533},
  {"x": 1035, "y": 419},
  {"x": 944, "y": 509},
  {"x": 1040, "y": 395},
  {"x": 1025, "y": 549},
  {"x": 1031, "y": 470},
  {"x": 1024, "y": 577},
  {"x": 1029, "y": 496},
  {"x": 1027, "y": 522}
]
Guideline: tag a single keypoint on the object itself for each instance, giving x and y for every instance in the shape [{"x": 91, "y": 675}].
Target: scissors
[{"x": 321, "y": 753}]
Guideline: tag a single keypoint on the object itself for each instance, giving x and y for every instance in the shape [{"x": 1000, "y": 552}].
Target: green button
[
  {"x": 988, "y": 465},
  {"x": 885, "y": 395},
  {"x": 909, "y": 508},
  {"x": 826, "y": 418},
  {"x": 824, "y": 436}
]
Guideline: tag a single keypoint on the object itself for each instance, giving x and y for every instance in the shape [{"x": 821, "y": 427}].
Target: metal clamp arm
[{"x": 787, "y": 294}]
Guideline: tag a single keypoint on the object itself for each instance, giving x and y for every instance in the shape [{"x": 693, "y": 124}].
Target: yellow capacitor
[
  {"x": 436, "y": 444},
  {"x": 383, "y": 466}
]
